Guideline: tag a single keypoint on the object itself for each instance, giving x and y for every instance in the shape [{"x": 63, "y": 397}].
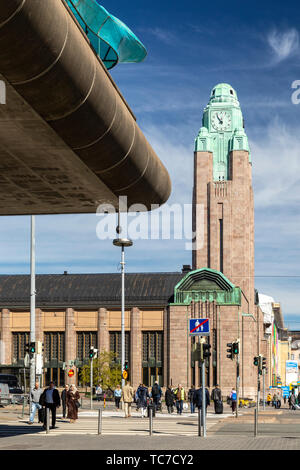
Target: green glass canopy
[{"x": 112, "y": 40}]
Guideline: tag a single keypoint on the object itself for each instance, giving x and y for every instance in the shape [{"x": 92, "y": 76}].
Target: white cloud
[
  {"x": 276, "y": 166},
  {"x": 284, "y": 44}
]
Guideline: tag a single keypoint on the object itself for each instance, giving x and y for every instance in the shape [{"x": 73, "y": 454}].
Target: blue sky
[{"x": 192, "y": 46}]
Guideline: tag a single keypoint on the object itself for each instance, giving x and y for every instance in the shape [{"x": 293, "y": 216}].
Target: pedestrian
[
  {"x": 64, "y": 399},
  {"x": 73, "y": 404},
  {"x": 269, "y": 399},
  {"x": 117, "y": 395},
  {"x": 191, "y": 393},
  {"x": 180, "y": 398},
  {"x": 50, "y": 399},
  {"x": 156, "y": 394},
  {"x": 292, "y": 400},
  {"x": 98, "y": 392},
  {"x": 233, "y": 398},
  {"x": 142, "y": 394},
  {"x": 198, "y": 398},
  {"x": 35, "y": 394},
  {"x": 169, "y": 397},
  {"x": 278, "y": 403},
  {"x": 216, "y": 396},
  {"x": 127, "y": 398}
]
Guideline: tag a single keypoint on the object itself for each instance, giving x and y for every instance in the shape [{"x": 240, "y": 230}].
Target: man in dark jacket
[
  {"x": 50, "y": 399},
  {"x": 216, "y": 395},
  {"x": 198, "y": 398},
  {"x": 156, "y": 394},
  {"x": 191, "y": 398},
  {"x": 64, "y": 398}
]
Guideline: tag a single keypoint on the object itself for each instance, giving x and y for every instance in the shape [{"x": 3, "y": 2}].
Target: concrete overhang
[{"x": 68, "y": 139}]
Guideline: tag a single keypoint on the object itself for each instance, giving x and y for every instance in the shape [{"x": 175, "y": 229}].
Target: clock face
[{"x": 221, "y": 121}]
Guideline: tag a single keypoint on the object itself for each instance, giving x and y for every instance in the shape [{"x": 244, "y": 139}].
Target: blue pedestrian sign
[{"x": 199, "y": 326}]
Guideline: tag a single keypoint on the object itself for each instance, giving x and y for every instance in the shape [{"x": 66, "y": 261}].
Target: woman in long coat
[
  {"x": 169, "y": 397},
  {"x": 72, "y": 398}
]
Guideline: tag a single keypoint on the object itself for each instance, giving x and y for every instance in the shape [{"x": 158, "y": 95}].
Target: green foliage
[{"x": 105, "y": 371}]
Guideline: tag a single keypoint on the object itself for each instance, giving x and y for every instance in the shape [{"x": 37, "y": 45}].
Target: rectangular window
[
  {"x": 152, "y": 357},
  {"x": 85, "y": 339},
  {"x": 54, "y": 346},
  {"x": 19, "y": 343},
  {"x": 116, "y": 345},
  {"x": 54, "y": 356}
]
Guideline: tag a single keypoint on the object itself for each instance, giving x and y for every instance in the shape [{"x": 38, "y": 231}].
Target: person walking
[
  {"x": 73, "y": 398},
  {"x": 269, "y": 399},
  {"x": 127, "y": 398},
  {"x": 292, "y": 400},
  {"x": 35, "y": 393},
  {"x": 156, "y": 394},
  {"x": 191, "y": 398},
  {"x": 216, "y": 396},
  {"x": 180, "y": 398},
  {"x": 64, "y": 399},
  {"x": 98, "y": 392},
  {"x": 198, "y": 398},
  {"x": 233, "y": 398},
  {"x": 142, "y": 394},
  {"x": 117, "y": 396},
  {"x": 50, "y": 399},
  {"x": 169, "y": 397}
]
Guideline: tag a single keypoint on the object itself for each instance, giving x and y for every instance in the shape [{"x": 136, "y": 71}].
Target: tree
[{"x": 105, "y": 371}]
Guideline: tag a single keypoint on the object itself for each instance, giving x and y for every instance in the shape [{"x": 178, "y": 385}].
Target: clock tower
[{"x": 223, "y": 210}]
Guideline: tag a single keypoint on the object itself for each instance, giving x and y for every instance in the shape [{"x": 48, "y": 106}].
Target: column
[
  {"x": 103, "y": 333},
  {"x": 70, "y": 344},
  {"x": 6, "y": 337},
  {"x": 135, "y": 347}
]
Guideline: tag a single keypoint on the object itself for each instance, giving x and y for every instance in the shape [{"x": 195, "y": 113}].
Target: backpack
[
  {"x": 233, "y": 396},
  {"x": 155, "y": 390}
]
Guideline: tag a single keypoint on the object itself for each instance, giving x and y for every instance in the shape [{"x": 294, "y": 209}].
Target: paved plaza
[{"x": 277, "y": 430}]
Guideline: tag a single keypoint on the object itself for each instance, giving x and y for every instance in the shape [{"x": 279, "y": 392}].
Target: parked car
[
  {"x": 5, "y": 397},
  {"x": 16, "y": 394}
]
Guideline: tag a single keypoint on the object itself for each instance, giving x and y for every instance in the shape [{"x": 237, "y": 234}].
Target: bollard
[
  {"x": 150, "y": 421},
  {"x": 23, "y": 406},
  {"x": 47, "y": 420},
  {"x": 255, "y": 422},
  {"x": 199, "y": 422},
  {"x": 99, "y": 421}
]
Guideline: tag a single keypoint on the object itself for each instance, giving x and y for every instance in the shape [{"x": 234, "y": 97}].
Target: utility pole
[
  {"x": 202, "y": 361},
  {"x": 236, "y": 352},
  {"x": 32, "y": 304},
  {"x": 122, "y": 242}
]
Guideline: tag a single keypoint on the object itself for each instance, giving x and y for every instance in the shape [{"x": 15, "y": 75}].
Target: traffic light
[
  {"x": 264, "y": 363},
  {"x": 235, "y": 348},
  {"x": 256, "y": 361},
  {"x": 91, "y": 353},
  {"x": 230, "y": 350},
  {"x": 30, "y": 348},
  {"x": 206, "y": 350},
  {"x": 126, "y": 366}
]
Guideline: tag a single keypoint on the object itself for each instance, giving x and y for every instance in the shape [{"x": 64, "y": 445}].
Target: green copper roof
[
  {"x": 112, "y": 40},
  {"x": 206, "y": 284},
  {"x": 222, "y": 129}
]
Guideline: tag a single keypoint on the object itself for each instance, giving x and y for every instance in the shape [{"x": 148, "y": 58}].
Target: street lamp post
[
  {"x": 32, "y": 304},
  {"x": 122, "y": 242}
]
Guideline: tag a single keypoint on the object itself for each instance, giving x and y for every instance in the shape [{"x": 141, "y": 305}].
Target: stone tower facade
[{"x": 223, "y": 213}]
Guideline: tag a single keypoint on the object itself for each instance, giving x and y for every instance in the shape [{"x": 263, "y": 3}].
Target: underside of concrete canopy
[{"x": 68, "y": 140}]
